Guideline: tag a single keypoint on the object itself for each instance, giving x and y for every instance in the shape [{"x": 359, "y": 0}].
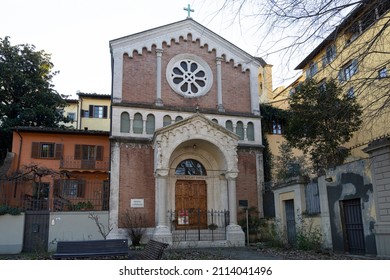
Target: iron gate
[
  {"x": 353, "y": 226},
  {"x": 36, "y": 231},
  {"x": 290, "y": 221}
]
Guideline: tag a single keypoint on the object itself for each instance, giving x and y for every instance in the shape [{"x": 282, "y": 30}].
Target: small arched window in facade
[
  {"x": 138, "y": 124},
  {"x": 240, "y": 130},
  {"x": 250, "y": 132},
  {"x": 125, "y": 122},
  {"x": 167, "y": 120},
  {"x": 190, "y": 167},
  {"x": 229, "y": 125},
  {"x": 150, "y": 124},
  {"x": 215, "y": 120},
  {"x": 178, "y": 118}
]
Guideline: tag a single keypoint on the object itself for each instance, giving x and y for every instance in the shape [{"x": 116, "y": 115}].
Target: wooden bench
[
  {"x": 91, "y": 248},
  {"x": 153, "y": 251}
]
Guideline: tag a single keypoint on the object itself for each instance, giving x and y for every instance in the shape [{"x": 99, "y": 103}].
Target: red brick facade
[{"x": 139, "y": 83}]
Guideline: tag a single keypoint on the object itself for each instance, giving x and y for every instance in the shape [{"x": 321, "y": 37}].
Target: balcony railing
[{"x": 69, "y": 162}]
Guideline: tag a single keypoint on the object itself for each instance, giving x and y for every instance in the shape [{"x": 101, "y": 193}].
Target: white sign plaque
[{"x": 137, "y": 203}]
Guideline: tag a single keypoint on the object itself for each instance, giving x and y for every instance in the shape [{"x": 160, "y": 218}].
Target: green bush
[
  {"x": 309, "y": 236},
  {"x": 270, "y": 234},
  {"x": 5, "y": 209}
]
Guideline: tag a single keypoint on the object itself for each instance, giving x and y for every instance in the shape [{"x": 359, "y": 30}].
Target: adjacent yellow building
[
  {"x": 357, "y": 54},
  {"x": 91, "y": 111}
]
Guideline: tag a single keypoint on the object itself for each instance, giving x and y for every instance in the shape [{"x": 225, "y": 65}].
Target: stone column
[
  {"x": 159, "y": 101},
  {"x": 162, "y": 231},
  {"x": 245, "y": 132},
  {"x": 379, "y": 151},
  {"x": 113, "y": 216},
  {"x": 219, "y": 84},
  {"x": 144, "y": 125},
  {"x": 235, "y": 234}
]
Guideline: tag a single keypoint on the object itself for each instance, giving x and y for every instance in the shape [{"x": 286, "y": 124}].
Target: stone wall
[{"x": 379, "y": 151}]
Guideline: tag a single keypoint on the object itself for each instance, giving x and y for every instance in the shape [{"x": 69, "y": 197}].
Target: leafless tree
[{"x": 291, "y": 29}]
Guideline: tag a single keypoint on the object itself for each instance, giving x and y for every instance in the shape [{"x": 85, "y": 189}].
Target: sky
[{"x": 77, "y": 33}]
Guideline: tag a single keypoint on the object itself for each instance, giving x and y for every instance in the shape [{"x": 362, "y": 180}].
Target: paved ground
[
  {"x": 252, "y": 253},
  {"x": 232, "y": 253}
]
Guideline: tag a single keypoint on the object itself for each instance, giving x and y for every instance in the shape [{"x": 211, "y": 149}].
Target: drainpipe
[{"x": 81, "y": 109}]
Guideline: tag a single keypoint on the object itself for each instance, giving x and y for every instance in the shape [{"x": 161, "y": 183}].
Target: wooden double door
[{"x": 191, "y": 204}]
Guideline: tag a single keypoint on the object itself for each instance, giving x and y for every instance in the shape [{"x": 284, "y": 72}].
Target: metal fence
[
  {"x": 56, "y": 195},
  {"x": 198, "y": 225}
]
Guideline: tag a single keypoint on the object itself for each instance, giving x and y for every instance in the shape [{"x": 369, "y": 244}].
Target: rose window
[{"x": 189, "y": 75}]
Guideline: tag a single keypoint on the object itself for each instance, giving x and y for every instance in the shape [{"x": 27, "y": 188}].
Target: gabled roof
[{"x": 173, "y": 32}]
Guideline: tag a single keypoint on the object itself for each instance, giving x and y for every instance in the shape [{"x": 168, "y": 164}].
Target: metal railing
[
  {"x": 198, "y": 225},
  {"x": 69, "y": 162},
  {"x": 27, "y": 195}
]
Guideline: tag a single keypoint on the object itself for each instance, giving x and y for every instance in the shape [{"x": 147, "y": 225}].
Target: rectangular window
[
  {"x": 382, "y": 73},
  {"x": 351, "y": 93},
  {"x": 348, "y": 71},
  {"x": 46, "y": 150},
  {"x": 72, "y": 117},
  {"x": 88, "y": 152},
  {"x": 276, "y": 127},
  {"x": 312, "y": 70},
  {"x": 73, "y": 188},
  {"x": 329, "y": 56},
  {"x": 99, "y": 112},
  {"x": 322, "y": 85}
]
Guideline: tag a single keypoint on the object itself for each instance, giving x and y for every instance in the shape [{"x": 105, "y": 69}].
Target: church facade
[{"x": 185, "y": 133}]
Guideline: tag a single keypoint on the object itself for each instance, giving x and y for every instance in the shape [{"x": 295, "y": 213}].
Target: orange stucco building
[{"x": 59, "y": 170}]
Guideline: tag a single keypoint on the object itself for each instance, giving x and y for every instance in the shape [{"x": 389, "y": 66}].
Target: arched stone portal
[{"x": 215, "y": 148}]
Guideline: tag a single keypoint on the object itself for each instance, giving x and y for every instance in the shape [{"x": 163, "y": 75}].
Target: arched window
[
  {"x": 250, "y": 132},
  {"x": 240, "y": 130},
  {"x": 215, "y": 120},
  {"x": 190, "y": 167},
  {"x": 229, "y": 125},
  {"x": 125, "y": 122},
  {"x": 178, "y": 118},
  {"x": 150, "y": 124},
  {"x": 138, "y": 124},
  {"x": 167, "y": 120}
]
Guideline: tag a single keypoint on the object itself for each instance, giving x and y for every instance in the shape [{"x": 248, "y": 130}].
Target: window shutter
[
  {"x": 105, "y": 112},
  {"x": 99, "y": 152},
  {"x": 35, "y": 150},
  {"x": 77, "y": 152},
  {"x": 91, "y": 111},
  {"x": 58, "y": 151}
]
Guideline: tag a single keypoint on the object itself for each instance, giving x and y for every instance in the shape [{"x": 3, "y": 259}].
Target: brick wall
[
  {"x": 139, "y": 80},
  {"x": 136, "y": 179},
  {"x": 247, "y": 177}
]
